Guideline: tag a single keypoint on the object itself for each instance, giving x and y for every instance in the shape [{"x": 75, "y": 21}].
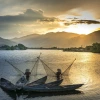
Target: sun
[{"x": 82, "y": 28}]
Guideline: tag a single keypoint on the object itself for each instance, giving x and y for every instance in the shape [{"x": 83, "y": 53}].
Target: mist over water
[{"x": 86, "y": 68}]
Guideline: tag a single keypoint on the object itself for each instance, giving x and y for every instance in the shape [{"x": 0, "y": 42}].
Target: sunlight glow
[{"x": 82, "y": 28}]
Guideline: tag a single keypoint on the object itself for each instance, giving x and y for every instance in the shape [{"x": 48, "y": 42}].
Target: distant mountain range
[
  {"x": 6, "y": 42},
  {"x": 58, "y": 39}
]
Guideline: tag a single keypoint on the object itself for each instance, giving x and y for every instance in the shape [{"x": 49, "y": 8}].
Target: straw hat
[{"x": 27, "y": 70}]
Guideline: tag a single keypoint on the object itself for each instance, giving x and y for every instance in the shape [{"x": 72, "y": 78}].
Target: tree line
[
  {"x": 95, "y": 48},
  {"x": 16, "y": 47}
]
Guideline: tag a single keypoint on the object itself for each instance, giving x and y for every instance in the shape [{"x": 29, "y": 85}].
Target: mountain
[
  {"x": 93, "y": 37},
  {"x": 86, "y": 39},
  {"x": 59, "y": 39},
  {"x": 6, "y": 42},
  {"x": 25, "y": 38},
  {"x": 51, "y": 39}
]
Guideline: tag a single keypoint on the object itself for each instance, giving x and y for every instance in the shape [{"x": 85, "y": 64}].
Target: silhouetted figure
[
  {"x": 27, "y": 73},
  {"x": 58, "y": 74}
]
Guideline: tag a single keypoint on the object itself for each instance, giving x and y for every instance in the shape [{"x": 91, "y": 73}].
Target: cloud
[
  {"x": 51, "y": 7},
  {"x": 82, "y": 22},
  {"x": 86, "y": 21},
  {"x": 58, "y": 7},
  {"x": 29, "y": 21},
  {"x": 17, "y": 15},
  {"x": 52, "y": 19},
  {"x": 28, "y": 16}
]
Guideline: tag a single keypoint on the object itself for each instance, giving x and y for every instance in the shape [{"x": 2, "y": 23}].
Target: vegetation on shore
[
  {"x": 16, "y": 47},
  {"x": 95, "y": 48}
]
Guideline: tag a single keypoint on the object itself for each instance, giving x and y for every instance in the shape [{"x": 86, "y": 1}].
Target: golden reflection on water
[{"x": 86, "y": 68}]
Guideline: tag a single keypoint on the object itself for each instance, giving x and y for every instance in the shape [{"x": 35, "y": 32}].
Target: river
[{"x": 85, "y": 70}]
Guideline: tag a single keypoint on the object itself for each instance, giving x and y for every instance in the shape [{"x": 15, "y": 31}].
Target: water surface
[{"x": 86, "y": 68}]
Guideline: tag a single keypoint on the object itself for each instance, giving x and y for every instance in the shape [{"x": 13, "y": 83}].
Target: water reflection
[
  {"x": 26, "y": 95},
  {"x": 11, "y": 94},
  {"x": 86, "y": 68}
]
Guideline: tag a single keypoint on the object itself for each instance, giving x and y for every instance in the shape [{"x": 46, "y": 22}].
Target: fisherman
[
  {"x": 58, "y": 74},
  {"x": 27, "y": 73}
]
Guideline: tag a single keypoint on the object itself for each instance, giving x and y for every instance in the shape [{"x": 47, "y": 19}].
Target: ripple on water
[{"x": 84, "y": 70}]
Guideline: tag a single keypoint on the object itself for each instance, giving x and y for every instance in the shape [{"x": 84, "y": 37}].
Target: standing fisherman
[
  {"x": 58, "y": 74},
  {"x": 27, "y": 73}
]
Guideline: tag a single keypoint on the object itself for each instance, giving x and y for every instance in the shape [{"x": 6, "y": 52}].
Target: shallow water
[{"x": 86, "y": 69}]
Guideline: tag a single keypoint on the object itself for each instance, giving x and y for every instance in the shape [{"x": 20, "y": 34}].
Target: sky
[{"x": 23, "y": 17}]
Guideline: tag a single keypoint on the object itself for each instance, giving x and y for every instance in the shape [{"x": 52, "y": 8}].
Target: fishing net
[
  {"x": 16, "y": 69},
  {"x": 49, "y": 72},
  {"x": 65, "y": 74},
  {"x": 13, "y": 73},
  {"x": 38, "y": 69}
]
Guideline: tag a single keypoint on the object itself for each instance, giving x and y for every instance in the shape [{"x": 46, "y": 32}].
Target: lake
[{"x": 85, "y": 70}]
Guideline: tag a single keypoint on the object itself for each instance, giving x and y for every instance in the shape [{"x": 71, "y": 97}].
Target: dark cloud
[
  {"x": 51, "y": 7},
  {"x": 82, "y": 22},
  {"x": 11, "y": 24},
  {"x": 52, "y": 19},
  {"x": 28, "y": 16},
  {"x": 72, "y": 18},
  {"x": 86, "y": 21},
  {"x": 67, "y": 24},
  {"x": 57, "y": 7}
]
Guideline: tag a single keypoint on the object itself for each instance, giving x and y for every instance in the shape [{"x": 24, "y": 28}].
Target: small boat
[
  {"x": 58, "y": 88},
  {"x": 51, "y": 84},
  {"x": 38, "y": 82},
  {"x": 21, "y": 82},
  {"x": 55, "y": 83},
  {"x": 7, "y": 84},
  {"x": 40, "y": 85},
  {"x": 48, "y": 88},
  {"x": 10, "y": 86}
]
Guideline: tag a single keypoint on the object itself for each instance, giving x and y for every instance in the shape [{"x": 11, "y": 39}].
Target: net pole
[
  {"x": 69, "y": 66},
  {"x": 36, "y": 62},
  {"x": 47, "y": 66},
  {"x": 14, "y": 67}
]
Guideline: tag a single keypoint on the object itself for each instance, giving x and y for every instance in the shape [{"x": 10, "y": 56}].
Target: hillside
[
  {"x": 59, "y": 39},
  {"x": 6, "y": 42},
  {"x": 86, "y": 40}
]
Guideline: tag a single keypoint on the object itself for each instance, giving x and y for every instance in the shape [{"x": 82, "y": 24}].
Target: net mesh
[
  {"x": 13, "y": 73},
  {"x": 65, "y": 74},
  {"x": 39, "y": 69},
  {"x": 49, "y": 72}
]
